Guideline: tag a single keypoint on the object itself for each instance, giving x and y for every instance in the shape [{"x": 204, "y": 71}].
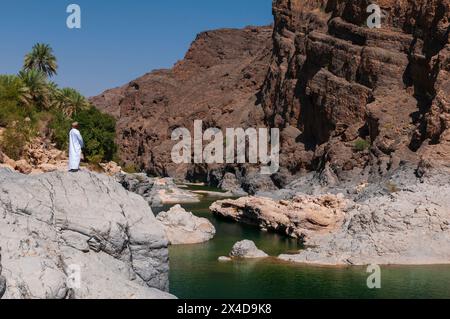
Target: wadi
[
  {"x": 239, "y": 146},
  {"x": 271, "y": 161}
]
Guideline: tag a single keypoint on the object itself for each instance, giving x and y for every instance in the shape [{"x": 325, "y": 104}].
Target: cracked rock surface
[
  {"x": 399, "y": 220},
  {"x": 55, "y": 223}
]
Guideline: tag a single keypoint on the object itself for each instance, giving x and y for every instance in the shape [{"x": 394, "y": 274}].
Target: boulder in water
[{"x": 247, "y": 249}]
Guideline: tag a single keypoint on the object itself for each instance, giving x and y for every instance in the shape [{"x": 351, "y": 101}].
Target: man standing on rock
[{"x": 75, "y": 145}]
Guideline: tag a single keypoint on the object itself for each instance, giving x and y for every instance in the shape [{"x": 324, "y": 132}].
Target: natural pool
[{"x": 196, "y": 273}]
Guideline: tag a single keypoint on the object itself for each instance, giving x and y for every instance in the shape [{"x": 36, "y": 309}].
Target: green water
[{"x": 196, "y": 273}]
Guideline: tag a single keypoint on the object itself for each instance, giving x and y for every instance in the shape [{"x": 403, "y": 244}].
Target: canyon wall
[
  {"x": 350, "y": 100},
  {"x": 216, "y": 82},
  {"x": 335, "y": 83}
]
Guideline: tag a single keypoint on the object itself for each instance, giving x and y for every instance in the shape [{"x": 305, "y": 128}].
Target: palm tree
[
  {"x": 35, "y": 90},
  {"x": 41, "y": 58},
  {"x": 69, "y": 101},
  {"x": 11, "y": 87},
  {"x": 54, "y": 93}
]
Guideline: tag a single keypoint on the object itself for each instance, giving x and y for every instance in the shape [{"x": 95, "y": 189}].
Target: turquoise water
[{"x": 196, "y": 273}]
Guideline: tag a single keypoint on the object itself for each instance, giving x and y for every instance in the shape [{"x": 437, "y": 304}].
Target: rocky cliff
[
  {"x": 216, "y": 82},
  {"x": 350, "y": 100},
  {"x": 78, "y": 236},
  {"x": 336, "y": 84}
]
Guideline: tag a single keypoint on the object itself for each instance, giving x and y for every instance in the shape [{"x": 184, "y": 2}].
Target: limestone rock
[
  {"x": 48, "y": 168},
  {"x": 297, "y": 218},
  {"x": 247, "y": 249},
  {"x": 23, "y": 167},
  {"x": 183, "y": 227},
  {"x": 399, "y": 220},
  {"x": 40, "y": 156},
  {"x": 52, "y": 223},
  {"x": 111, "y": 168},
  {"x": 5, "y": 160},
  {"x": 157, "y": 191},
  {"x": 224, "y": 259}
]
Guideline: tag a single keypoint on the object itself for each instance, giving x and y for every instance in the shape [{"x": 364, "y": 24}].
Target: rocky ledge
[
  {"x": 183, "y": 227},
  {"x": 156, "y": 191},
  {"x": 56, "y": 223},
  {"x": 400, "y": 219},
  {"x": 295, "y": 218}
]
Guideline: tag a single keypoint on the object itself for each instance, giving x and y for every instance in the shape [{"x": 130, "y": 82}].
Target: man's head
[{"x": 75, "y": 125}]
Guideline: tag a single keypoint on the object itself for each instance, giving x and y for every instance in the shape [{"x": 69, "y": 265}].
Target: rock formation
[
  {"x": 156, "y": 191},
  {"x": 216, "y": 82},
  {"x": 401, "y": 220},
  {"x": 111, "y": 168},
  {"x": 247, "y": 249},
  {"x": 183, "y": 227},
  {"x": 40, "y": 156},
  {"x": 349, "y": 99},
  {"x": 56, "y": 223},
  {"x": 296, "y": 218}
]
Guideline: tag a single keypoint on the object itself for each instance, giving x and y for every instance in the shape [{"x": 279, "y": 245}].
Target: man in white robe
[{"x": 75, "y": 145}]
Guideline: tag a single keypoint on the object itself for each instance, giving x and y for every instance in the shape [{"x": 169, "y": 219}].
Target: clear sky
[{"x": 119, "y": 39}]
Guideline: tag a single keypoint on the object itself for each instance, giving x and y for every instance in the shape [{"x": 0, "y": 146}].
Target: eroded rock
[
  {"x": 48, "y": 223},
  {"x": 296, "y": 218},
  {"x": 217, "y": 82},
  {"x": 183, "y": 227},
  {"x": 156, "y": 191},
  {"x": 23, "y": 167},
  {"x": 247, "y": 249},
  {"x": 399, "y": 220},
  {"x": 111, "y": 168},
  {"x": 345, "y": 97}
]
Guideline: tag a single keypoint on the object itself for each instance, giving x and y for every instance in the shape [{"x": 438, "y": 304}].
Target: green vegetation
[
  {"x": 15, "y": 138},
  {"x": 30, "y": 104},
  {"x": 99, "y": 133},
  {"x": 130, "y": 169},
  {"x": 41, "y": 59},
  {"x": 361, "y": 145}
]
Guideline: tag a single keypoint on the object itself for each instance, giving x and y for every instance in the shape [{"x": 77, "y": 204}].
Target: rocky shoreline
[
  {"x": 156, "y": 191},
  {"x": 52, "y": 221},
  {"x": 400, "y": 219},
  {"x": 295, "y": 218}
]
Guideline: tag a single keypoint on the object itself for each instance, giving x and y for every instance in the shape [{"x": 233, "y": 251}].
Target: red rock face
[
  {"x": 337, "y": 81},
  {"x": 346, "y": 97},
  {"x": 217, "y": 82}
]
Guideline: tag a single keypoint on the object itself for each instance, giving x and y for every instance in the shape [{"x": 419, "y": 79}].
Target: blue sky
[{"x": 119, "y": 39}]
